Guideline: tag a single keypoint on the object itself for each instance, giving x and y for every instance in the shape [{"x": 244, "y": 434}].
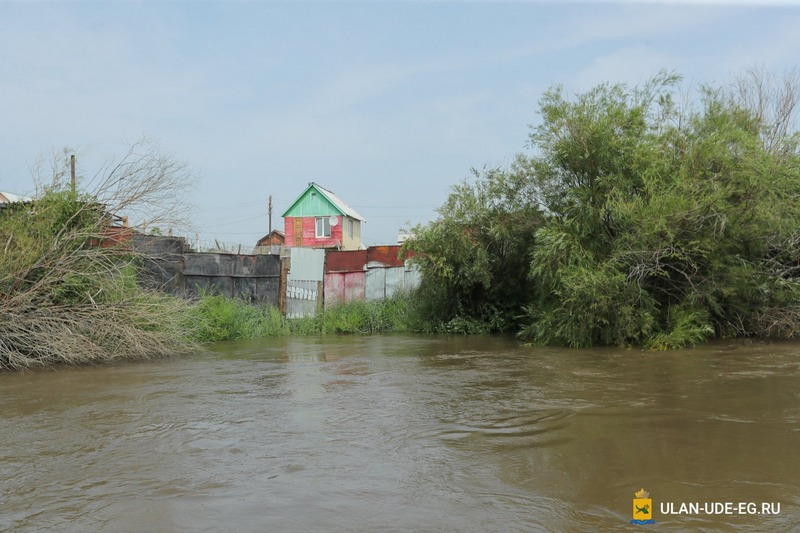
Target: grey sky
[{"x": 386, "y": 103}]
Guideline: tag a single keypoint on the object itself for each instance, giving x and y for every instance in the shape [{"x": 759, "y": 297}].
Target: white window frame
[{"x": 321, "y": 226}]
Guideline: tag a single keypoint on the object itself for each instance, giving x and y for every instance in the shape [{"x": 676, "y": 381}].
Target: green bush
[
  {"x": 632, "y": 221},
  {"x": 216, "y": 318}
]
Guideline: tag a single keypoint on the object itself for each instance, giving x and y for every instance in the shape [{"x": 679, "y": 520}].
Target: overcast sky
[{"x": 387, "y": 104}]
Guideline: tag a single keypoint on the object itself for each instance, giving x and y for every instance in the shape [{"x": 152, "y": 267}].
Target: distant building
[
  {"x": 277, "y": 237},
  {"x": 270, "y": 243},
  {"x": 319, "y": 219},
  {"x": 10, "y": 198},
  {"x": 403, "y": 237}
]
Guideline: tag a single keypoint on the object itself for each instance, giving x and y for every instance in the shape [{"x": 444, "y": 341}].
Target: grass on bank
[{"x": 216, "y": 318}]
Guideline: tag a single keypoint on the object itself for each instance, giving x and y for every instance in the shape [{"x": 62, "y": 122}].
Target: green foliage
[
  {"x": 357, "y": 316},
  {"x": 216, "y": 318},
  {"x": 591, "y": 304},
  {"x": 33, "y": 232},
  {"x": 474, "y": 257},
  {"x": 64, "y": 298},
  {"x": 633, "y": 221},
  {"x": 684, "y": 327},
  {"x": 664, "y": 228},
  {"x": 460, "y": 325},
  {"x": 392, "y": 315}
]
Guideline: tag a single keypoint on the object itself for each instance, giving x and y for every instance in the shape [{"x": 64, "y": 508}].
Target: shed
[
  {"x": 271, "y": 243},
  {"x": 274, "y": 238},
  {"x": 7, "y": 198}
]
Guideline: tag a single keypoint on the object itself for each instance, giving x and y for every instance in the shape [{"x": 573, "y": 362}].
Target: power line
[{"x": 395, "y": 207}]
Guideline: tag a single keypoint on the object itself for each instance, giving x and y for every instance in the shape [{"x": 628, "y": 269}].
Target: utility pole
[
  {"x": 72, "y": 172},
  {"x": 270, "y": 214}
]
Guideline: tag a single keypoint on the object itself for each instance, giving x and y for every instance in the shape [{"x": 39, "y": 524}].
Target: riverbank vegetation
[
  {"x": 639, "y": 216},
  {"x": 68, "y": 292},
  {"x": 217, "y": 318}
]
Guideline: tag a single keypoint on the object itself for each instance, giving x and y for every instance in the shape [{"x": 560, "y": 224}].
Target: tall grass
[{"x": 216, "y": 318}]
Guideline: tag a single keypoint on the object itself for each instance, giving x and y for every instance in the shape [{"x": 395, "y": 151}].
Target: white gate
[{"x": 304, "y": 282}]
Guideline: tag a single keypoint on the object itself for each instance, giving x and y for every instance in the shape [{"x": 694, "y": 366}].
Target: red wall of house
[{"x": 308, "y": 235}]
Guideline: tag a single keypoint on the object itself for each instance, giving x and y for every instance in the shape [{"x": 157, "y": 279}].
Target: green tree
[
  {"x": 632, "y": 220},
  {"x": 474, "y": 257},
  {"x": 665, "y": 226}
]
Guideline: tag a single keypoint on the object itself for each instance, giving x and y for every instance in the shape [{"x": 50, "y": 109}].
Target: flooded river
[{"x": 405, "y": 433}]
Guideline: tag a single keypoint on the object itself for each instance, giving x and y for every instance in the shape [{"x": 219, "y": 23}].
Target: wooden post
[
  {"x": 285, "y": 262},
  {"x": 270, "y": 215},
  {"x": 72, "y": 172}
]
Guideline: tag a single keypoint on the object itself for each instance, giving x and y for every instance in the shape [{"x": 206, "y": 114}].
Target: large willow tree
[{"x": 664, "y": 224}]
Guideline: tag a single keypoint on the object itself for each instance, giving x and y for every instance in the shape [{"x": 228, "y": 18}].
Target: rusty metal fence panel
[
  {"x": 343, "y": 287},
  {"x": 308, "y": 264},
  {"x": 376, "y": 284},
  {"x": 170, "y": 265},
  {"x": 255, "y": 278}
]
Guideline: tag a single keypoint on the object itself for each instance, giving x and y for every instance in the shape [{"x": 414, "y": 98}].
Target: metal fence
[{"x": 301, "y": 284}]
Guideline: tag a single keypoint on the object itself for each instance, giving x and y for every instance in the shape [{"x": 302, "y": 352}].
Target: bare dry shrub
[
  {"x": 68, "y": 289},
  {"x": 149, "y": 187},
  {"x": 774, "y": 102}
]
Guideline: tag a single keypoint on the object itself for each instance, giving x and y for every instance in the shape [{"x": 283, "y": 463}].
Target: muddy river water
[{"x": 406, "y": 433}]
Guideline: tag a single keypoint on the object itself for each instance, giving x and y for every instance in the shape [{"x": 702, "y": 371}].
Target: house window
[
  {"x": 323, "y": 227},
  {"x": 350, "y": 228}
]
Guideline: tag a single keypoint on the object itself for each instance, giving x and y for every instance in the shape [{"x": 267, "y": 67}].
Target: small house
[
  {"x": 271, "y": 243},
  {"x": 319, "y": 219},
  {"x": 274, "y": 238}
]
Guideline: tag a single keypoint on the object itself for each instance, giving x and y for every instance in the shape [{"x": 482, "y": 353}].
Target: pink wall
[{"x": 308, "y": 233}]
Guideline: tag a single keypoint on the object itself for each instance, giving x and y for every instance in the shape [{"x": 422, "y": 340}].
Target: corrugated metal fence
[
  {"x": 373, "y": 274},
  {"x": 300, "y": 284}
]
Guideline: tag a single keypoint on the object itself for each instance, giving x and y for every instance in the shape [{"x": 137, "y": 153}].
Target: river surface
[{"x": 404, "y": 433}]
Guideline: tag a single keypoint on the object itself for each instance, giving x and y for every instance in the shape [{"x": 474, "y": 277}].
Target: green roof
[{"x": 317, "y": 201}]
